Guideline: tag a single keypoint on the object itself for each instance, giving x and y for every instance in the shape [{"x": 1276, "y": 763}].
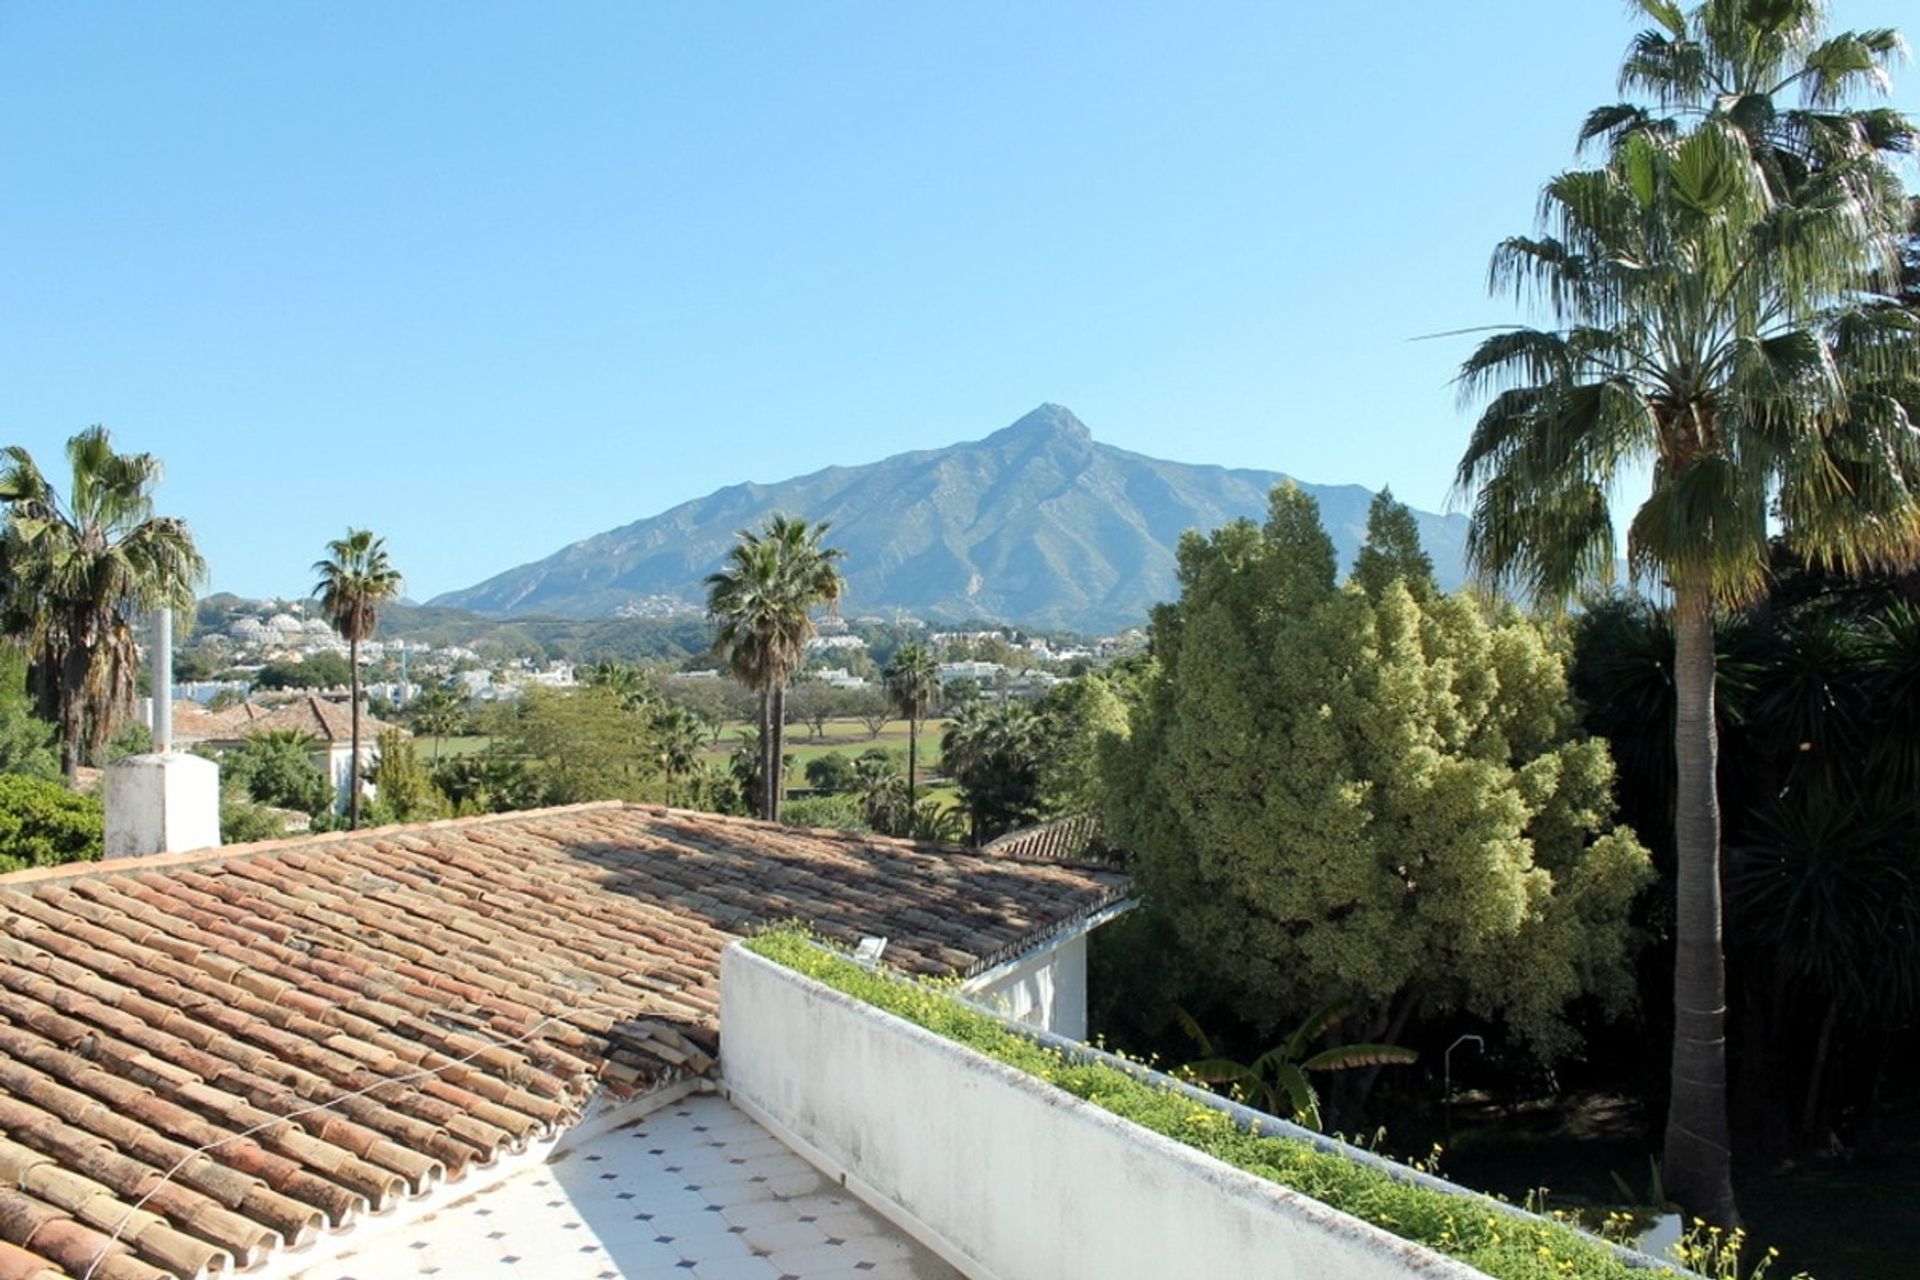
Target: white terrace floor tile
[{"x": 695, "y": 1191}]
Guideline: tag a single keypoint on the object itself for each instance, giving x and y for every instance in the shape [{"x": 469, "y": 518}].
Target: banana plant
[{"x": 1278, "y": 1078}]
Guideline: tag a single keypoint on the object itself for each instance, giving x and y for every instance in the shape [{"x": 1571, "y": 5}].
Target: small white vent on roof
[{"x": 868, "y": 952}]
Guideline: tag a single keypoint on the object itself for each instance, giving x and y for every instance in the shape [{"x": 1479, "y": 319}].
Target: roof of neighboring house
[
  {"x": 194, "y": 723},
  {"x": 447, "y": 991},
  {"x": 318, "y": 718}
]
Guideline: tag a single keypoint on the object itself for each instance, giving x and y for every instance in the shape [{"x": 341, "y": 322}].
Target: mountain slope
[{"x": 1037, "y": 524}]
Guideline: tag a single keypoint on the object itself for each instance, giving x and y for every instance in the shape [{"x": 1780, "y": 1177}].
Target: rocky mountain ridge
[{"x": 1038, "y": 523}]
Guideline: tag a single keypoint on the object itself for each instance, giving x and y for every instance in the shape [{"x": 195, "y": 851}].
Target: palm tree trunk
[
  {"x": 766, "y": 739},
  {"x": 353, "y": 761},
  {"x": 71, "y": 677},
  {"x": 1697, "y": 1160},
  {"x": 778, "y": 719},
  {"x": 913, "y": 749}
]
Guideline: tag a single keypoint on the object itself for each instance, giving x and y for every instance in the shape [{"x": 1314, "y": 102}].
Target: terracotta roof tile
[
  {"x": 313, "y": 715},
  {"x": 343, "y": 1021}
]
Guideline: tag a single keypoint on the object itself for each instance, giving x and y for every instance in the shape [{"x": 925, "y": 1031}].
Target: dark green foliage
[
  {"x": 594, "y": 743},
  {"x": 132, "y": 739},
  {"x": 324, "y": 670},
  {"x": 278, "y": 769},
  {"x": 837, "y": 813},
  {"x": 992, "y": 751},
  {"x": 1076, "y": 717},
  {"x": 831, "y": 771},
  {"x": 488, "y": 783},
  {"x": 1392, "y": 551},
  {"x": 42, "y": 824},
  {"x": 27, "y": 743},
  {"x": 242, "y": 821},
  {"x": 1818, "y": 721}
]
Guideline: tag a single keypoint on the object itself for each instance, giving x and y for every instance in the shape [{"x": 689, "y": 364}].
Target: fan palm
[
  {"x": 1732, "y": 342},
  {"x": 356, "y": 578},
  {"x": 913, "y": 685},
  {"x": 1735, "y": 60},
  {"x": 76, "y": 575},
  {"x": 761, "y": 604}
]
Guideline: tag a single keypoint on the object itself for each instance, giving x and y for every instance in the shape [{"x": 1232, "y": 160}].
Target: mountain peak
[{"x": 1048, "y": 422}]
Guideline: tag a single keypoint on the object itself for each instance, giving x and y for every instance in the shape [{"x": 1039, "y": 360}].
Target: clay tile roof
[
  {"x": 193, "y": 722},
  {"x": 318, "y": 718},
  {"x": 307, "y": 1030}
]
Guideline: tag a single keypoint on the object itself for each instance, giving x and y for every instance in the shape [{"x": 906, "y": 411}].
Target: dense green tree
[
  {"x": 1720, "y": 290},
  {"x": 403, "y": 790},
  {"x": 584, "y": 744},
  {"x": 43, "y": 824},
  {"x": 277, "y": 768},
  {"x": 28, "y": 745},
  {"x": 913, "y": 686},
  {"x": 243, "y": 822},
  {"x": 355, "y": 581},
  {"x": 1381, "y": 802},
  {"x": 78, "y": 574},
  {"x": 321, "y": 670},
  {"x": 761, "y": 604},
  {"x": 830, "y": 771},
  {"x": 884, "y": 798},
  {"x": 1392, "y": 551},
  {"x": 196, "y": 662},
  {"x": 627, "y": 681},
  {"x": 1076, "y": 716},
  {"x": 992, "y": 751}
]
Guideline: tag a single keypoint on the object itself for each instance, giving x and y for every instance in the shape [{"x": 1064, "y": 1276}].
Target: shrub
[
  {"x": 840, "y": 813},
  {"x": 42, "y": 824}
]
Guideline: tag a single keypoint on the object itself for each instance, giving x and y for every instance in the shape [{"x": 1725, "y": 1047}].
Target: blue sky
[{"x": 492, "y": 278}]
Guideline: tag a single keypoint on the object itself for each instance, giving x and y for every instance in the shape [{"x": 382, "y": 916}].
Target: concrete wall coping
[{"x": 1229, "y": 1179}]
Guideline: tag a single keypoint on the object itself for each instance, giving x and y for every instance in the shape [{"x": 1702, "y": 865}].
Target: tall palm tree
[
  {"x": 1727, "y": 332},
  {"x": 1735, "y": 61},
  {"x": 76, "y": 576},
  {"x": 913, "y": 685},
  {"x": 761, "y": 604},
  {"x": 356, "y": 578}
]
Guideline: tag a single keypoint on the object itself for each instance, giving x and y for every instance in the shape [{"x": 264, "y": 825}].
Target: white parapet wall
[{"x": 1007, "y": 1177}]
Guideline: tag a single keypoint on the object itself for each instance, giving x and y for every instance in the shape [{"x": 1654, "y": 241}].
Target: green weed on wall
[{"x": 1498, "y": 1244}]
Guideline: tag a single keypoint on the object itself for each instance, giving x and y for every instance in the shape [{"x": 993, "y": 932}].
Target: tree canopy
[
  {"x": 77, "y": 575},
  {"x": 761, "y": 604},
  {"x": 1334, "y": 794}
]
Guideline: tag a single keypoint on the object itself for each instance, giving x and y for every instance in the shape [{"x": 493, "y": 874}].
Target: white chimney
[{"x": 166, "y": 801}]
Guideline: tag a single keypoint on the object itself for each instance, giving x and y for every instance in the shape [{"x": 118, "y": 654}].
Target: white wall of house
[
  {"x": 335, "y": 761},
  {"x": 1006, "y": 1177},
  {"x": 1045, "y": 989}
]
